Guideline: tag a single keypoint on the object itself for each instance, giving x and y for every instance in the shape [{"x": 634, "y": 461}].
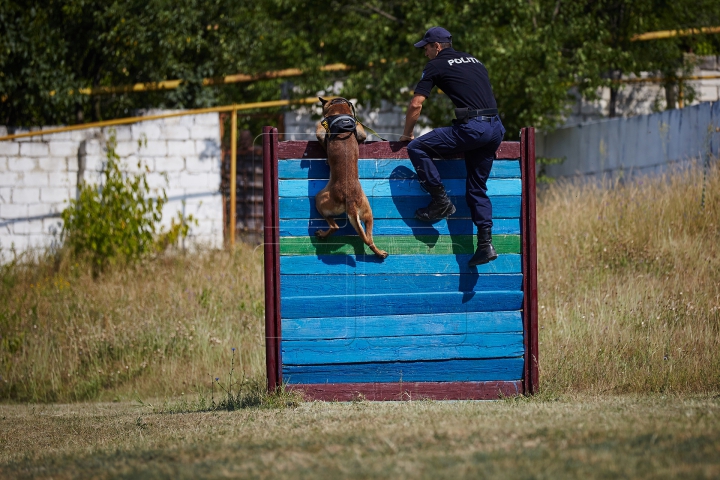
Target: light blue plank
[
  {"x": 495, "y": 369},
  {"x": 397, "y": 188},
  {"x": 400, "y": 304},
  {"x": 334, "y": 327},
  {"x": 390, "y": 168},
  {"x": 312, "y": 285},
  {"x": 394, "y": 264},
  {"x": 406, "y": 226},
  {"x": 399, "y": 207},
  {"x": 402, "y": 349}
]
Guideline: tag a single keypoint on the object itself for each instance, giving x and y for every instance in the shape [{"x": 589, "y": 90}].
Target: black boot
[
  {"x": 440, "y": 206},
  {"x": 485, "y": 251}
]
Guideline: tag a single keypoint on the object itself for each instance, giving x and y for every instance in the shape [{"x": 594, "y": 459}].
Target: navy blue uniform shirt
[{"x": 461, "y": 76}]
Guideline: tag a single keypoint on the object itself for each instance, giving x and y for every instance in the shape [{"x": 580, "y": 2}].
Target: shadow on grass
[{"x": 249, "y": 394}]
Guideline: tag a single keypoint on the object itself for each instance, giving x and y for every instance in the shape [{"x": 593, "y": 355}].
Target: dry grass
[
  {"x": 630, "y": 305},
  {"x": 575, "y": 437},
  {"x": 165, "y": 327},
  {"x": 629, "y": 289},
  {"x": 629, "y": 285}
]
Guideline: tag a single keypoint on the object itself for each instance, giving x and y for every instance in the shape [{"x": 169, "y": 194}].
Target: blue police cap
[{"x": 435, "y": 34}]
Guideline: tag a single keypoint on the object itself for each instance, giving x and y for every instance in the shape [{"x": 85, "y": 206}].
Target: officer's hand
[{"x": 405, "y": 138}]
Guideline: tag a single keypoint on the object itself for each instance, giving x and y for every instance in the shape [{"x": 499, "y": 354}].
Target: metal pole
[{"x": 233, "y": 175}]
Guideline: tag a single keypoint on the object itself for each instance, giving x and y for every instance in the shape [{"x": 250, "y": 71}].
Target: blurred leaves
[{"x": 534, "y": 50}]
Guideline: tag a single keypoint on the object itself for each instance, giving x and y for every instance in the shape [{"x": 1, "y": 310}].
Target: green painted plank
[{"x": 395, "y": 245}]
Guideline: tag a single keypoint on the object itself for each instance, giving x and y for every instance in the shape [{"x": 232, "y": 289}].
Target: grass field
[
  {"x": 629, "y": 295},
  {"x": 575, "y": 437}
]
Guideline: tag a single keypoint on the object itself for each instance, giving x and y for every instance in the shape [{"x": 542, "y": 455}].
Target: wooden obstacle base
[{"x": 346, "y": 392}]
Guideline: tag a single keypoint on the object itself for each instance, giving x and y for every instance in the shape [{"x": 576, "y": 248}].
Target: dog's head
[{"x": 336, "y": 106}]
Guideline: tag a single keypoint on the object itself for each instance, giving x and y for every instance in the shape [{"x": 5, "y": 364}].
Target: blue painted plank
[
  {"x": 506, "y": 369},
  {"x": 390, "y": 168},
  {"x": 400, "y": 304},
  {"x": 402, "y": 349},
  {"x": 396, "y": 188},
  {"x": 394, "y": 264},
  {"x": 495, "y": 369},
  {"x": 311, "y": 285},
  {"x": 406, "y": 226},
  {"x": 399, "y": 207},
  {"x": 336, "y": 327}
]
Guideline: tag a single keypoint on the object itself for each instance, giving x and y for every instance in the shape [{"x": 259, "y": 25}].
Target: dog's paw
[{"x": 382, "y": 254}]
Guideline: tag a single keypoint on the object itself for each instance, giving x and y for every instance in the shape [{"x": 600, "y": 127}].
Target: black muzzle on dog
[{"x": 337, "y": 124}]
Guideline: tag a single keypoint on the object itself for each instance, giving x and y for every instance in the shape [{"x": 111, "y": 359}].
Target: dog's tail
[
  {"x": 357, "y": 225},
  {"x": 354, "y": 219}
]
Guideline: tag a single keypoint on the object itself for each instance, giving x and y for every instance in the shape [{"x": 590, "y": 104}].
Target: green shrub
[{"x": 118, "y": 220}]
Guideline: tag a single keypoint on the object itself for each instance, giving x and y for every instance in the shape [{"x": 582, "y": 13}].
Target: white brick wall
[{"x": 38, "y": 176}]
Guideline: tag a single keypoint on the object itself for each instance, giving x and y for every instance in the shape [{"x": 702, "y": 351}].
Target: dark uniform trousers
[{"x": 478, "y": 139}]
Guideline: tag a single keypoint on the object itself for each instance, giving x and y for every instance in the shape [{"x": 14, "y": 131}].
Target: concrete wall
[
  {"x": 643, "y": 144},
  {"x": 39, "y": 175}
]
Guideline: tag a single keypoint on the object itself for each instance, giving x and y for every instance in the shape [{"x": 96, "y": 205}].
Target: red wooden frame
[
  {"x": 271, "y": 220},
  {"x": 272, "y": 151},
  {"x": 529, "y": 259}
]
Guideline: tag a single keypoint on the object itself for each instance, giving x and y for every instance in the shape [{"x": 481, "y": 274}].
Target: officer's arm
[{"x": 411, "y": 118}]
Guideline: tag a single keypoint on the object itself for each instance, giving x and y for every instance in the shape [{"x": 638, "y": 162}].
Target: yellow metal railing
[
  {"x": 172, "y": 84},
  {"x": 673, "y": 33}
]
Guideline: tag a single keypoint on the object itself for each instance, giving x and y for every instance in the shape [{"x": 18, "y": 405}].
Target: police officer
[{"x": 477, "y": 132}]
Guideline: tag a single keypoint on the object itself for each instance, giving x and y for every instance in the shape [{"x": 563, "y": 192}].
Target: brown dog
[{"x": 343, "y": 192}]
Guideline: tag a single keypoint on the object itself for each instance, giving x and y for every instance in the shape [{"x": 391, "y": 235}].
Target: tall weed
[
  {"x": 629, "y": 295},
  {"x": 162, "y": 328},
  {"x": 118, "y": 219},
  {"x": 629, "y": 285}
]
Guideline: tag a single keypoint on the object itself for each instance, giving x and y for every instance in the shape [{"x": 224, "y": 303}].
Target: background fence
[{"x": 625, "y": 147}]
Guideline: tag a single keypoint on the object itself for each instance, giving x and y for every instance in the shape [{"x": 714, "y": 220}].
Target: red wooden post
[
  {"x": 532, "y": 263},
  {"x": 272, "y": 258},
  {"x": 276, "y": 257},
  {"x": 529, "y": 255}
]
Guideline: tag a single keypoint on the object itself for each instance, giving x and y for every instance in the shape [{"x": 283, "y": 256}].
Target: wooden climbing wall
[{"x": 343, "y": 324}]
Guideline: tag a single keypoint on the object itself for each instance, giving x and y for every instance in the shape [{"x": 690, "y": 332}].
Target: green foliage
[
  {"x": 118, "y": 220},
  {"x": 534, "y": 50}
]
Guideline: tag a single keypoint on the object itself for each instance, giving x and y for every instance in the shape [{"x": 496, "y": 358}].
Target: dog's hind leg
[
  {"x": 366, "y": 237},
  {"x": 333, "y": 228}
]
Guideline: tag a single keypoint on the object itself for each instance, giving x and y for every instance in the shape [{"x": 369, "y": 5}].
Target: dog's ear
[{"x": 323, "y": 101}]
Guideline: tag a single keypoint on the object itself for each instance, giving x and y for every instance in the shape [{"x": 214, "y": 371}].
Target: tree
[
  {"x": 51, "y": 49},
  {"x": 534, "y": 50}
]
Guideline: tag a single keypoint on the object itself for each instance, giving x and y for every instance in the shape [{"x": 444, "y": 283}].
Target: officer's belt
[{"x": 486, "y": 112}]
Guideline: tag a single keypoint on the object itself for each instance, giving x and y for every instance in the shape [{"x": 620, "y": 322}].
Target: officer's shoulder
[
  {"x": 431, "y": 65},
  {"x": 464, "y": 55}
]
